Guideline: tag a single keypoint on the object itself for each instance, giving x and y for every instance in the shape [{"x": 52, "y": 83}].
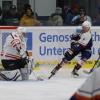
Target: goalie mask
[{"x": 21, "y": 31}]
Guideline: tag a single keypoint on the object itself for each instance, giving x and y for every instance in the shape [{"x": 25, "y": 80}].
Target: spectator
[
  {"x": 56, "y": 18},
  {"x": 11, "y": 17},
  {"x": 70, "y": 13},
  {"x": 28, "y": 6},
  {"x": 28, "y": 19},
  {"x": 96, "y": 20},
  {"x": 81, "y": 17},
  {"x": 0, "y": 16}
]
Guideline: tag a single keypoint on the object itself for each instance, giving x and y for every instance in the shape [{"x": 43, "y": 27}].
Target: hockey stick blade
[
  {"x": 86, "y": 72},
  {"x": 50, "y": 76},
  {"x": 40, "y": 79}
]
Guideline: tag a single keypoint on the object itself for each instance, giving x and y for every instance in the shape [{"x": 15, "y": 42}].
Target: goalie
[
  {"x": 15, "y": 59},
  {"x": 80, "y": 43}
]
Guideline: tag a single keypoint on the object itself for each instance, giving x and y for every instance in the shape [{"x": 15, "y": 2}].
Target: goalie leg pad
[
  {"x": 25, "y": 72},
  {"x": 13, "y": 75}
]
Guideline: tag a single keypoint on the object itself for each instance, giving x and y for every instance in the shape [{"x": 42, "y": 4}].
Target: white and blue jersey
[
  {"x": 86, "y": 42},
  {"x": 85, "y": 38},
  {"x": 83, "y": 45}
]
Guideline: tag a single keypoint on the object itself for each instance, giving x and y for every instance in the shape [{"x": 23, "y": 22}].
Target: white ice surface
[{"x": 59, "y": 87}]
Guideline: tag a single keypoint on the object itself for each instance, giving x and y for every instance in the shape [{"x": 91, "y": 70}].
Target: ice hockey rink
[{"x": 59, "y": 87}]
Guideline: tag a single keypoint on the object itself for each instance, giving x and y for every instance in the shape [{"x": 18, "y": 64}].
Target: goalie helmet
[{"x": 21, "y": 31}]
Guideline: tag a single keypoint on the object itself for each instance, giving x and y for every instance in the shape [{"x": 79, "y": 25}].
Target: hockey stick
[
  {"x": 94, "y": 66},
  {"x": 38, "y": 78},
  {"x": 54, "y": 71}
]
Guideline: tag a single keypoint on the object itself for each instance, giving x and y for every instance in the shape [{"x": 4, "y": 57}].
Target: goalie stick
[
  {"x": 94, "y": 66},
  {"x": 38, "y": 78}
]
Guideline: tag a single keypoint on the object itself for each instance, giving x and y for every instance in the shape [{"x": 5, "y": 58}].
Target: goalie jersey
[{"x": 14, "y": 47}]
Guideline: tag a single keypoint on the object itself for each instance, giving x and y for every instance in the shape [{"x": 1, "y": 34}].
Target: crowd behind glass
[{"x": 69, "y": 16}]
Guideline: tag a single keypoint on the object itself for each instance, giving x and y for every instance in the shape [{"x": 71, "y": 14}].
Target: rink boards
[{"x": 48, "y": 44}]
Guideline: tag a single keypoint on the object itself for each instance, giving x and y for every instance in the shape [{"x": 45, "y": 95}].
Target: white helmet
[
  {"x": 21, "y": 31},
  {"x": 86, "y": 24}
]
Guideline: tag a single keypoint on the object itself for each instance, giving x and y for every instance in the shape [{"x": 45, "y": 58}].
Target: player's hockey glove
[{"x": 75, "y": 37}]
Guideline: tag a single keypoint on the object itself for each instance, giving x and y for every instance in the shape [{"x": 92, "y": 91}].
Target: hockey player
[
  {"x": 15, "y": 58},
  {"x": 80, "y": 43},
  {"x": 85, "y": 43}
]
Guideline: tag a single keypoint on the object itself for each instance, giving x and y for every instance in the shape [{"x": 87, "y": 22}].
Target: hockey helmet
[
  {"x": 21, "y": 31},
  {"x": 86, "y": 24}
]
